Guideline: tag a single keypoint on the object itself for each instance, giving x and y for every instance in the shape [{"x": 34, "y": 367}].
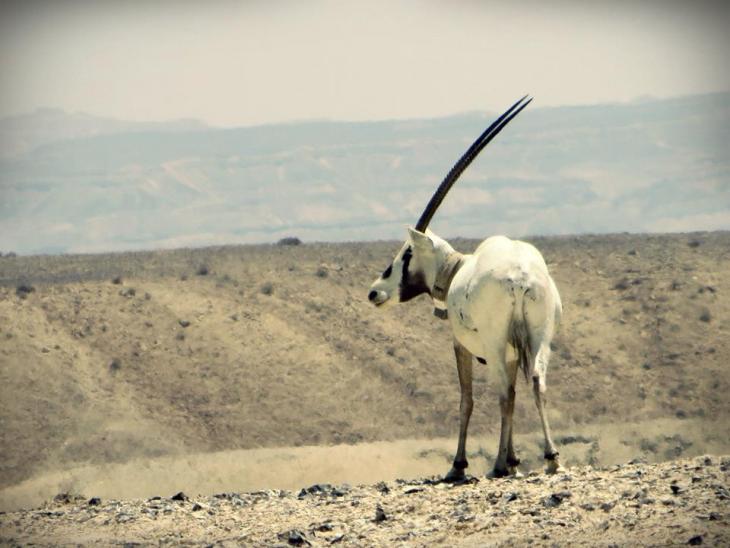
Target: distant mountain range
[{"x": 78, "y": 183}]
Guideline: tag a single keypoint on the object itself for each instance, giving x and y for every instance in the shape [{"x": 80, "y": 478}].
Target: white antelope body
[{"x": 503, "y": 306}]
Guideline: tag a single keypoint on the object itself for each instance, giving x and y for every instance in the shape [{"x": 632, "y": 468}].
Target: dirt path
[{"x": 674, "y": 503}]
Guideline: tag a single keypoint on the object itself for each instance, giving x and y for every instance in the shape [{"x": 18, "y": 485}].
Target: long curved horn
[{"x": 466, "y": 159}]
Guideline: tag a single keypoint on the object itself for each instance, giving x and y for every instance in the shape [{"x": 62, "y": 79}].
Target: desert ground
[{"x": 263, "y": 369}]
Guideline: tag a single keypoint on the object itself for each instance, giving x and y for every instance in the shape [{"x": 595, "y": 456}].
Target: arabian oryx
[{"x": 502, "y": 303}]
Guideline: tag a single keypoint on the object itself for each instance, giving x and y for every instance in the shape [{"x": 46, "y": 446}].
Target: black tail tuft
[{"x": 520, "y": 341}]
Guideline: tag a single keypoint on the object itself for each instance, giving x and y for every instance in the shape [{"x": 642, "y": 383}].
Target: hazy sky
[{"x": 240, "y": 63}]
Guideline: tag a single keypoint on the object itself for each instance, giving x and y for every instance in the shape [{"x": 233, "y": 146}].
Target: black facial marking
[
  {"x": 388, "y": 272},
  {"x": 411, "y": 284}
]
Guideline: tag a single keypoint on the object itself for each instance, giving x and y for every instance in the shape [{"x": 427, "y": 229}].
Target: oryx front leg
[
  {"x": 464, "y": 366},
  {"x": 539, "y": 389}
]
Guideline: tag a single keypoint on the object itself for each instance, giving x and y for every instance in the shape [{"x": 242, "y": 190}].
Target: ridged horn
[{"x": 490, "y": 133}]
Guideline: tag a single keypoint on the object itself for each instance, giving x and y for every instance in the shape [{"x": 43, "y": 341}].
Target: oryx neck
[{"x": 445, "y": 274}]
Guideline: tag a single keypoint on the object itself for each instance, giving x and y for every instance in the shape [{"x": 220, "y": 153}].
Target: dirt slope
[
  {"x": 231, "y": 348},
  {"x": 675, "y": 503}
]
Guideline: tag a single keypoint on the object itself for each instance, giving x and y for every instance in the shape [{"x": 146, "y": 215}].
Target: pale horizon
[
  {"x": 231, "y": 64},
  {"x": 136, "y": 173}
]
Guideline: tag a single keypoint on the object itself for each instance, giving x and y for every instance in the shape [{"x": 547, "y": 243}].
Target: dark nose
[{"x": 372, "y": 295}]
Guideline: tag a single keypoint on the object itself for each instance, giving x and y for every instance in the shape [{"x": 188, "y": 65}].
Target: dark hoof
[
  {"x": 455, "y": 475},
  {"x": 498, "y": 473}
]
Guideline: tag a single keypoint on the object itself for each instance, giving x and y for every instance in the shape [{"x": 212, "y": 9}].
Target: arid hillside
[{"x": 108, "y": 359}]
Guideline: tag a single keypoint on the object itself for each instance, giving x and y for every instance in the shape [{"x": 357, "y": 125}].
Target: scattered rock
[
  {"x": 323, "y": 489},
  {"x": 379, "y": 514},
  {"x": 556, "y": 499},
  {"x": 608, "y": 506},
  {"x": 267, "y": 288},
  {"x": 294, "y": 537},
  {"x": 622, "y": 285},
  {"x": 68, "y": 498},
  {"x": 322, "y": 272},
  {"x": 115, "y": 365},
  {"x": 573, "y": 438},
  {"x": 127, "y": 292},
  {"x": 694, "y": 243},
  {"x": 183, "y": 323},
  {"x": 202, "y": 270},
  {"x": 705, "y": 316},
  {"x": 94, "y": 501},
  {"x": 179, "y": 497},
  {"x": 196, "y": 507},
  {"x": 289, "y": 240},
  {"x": 695, "y": 540}
]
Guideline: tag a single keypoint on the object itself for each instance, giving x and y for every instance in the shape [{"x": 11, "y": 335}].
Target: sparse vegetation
[
  {"x": 289, "y": 240},
  {"x": 267, "y": 288},
  {"x": 202, "y": 270},
  {"x": 23, "y": 290}
]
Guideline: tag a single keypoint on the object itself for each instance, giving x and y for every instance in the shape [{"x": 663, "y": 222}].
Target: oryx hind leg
[
  {"x": 512, "y": 460},
  {"x": 539, "y": 388},
  {"x": 464, "y": 367},
  {"x": 507, "y": 461}
]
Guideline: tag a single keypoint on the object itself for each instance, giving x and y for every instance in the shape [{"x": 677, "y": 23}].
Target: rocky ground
[{"x": 672, "y": 503}]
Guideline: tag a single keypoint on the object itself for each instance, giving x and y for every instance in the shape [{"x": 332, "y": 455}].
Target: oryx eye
[{"x": 388, "y": 272}]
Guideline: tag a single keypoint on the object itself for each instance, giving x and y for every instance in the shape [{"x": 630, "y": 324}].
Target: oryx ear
[{"x": 420, "y": 240}]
